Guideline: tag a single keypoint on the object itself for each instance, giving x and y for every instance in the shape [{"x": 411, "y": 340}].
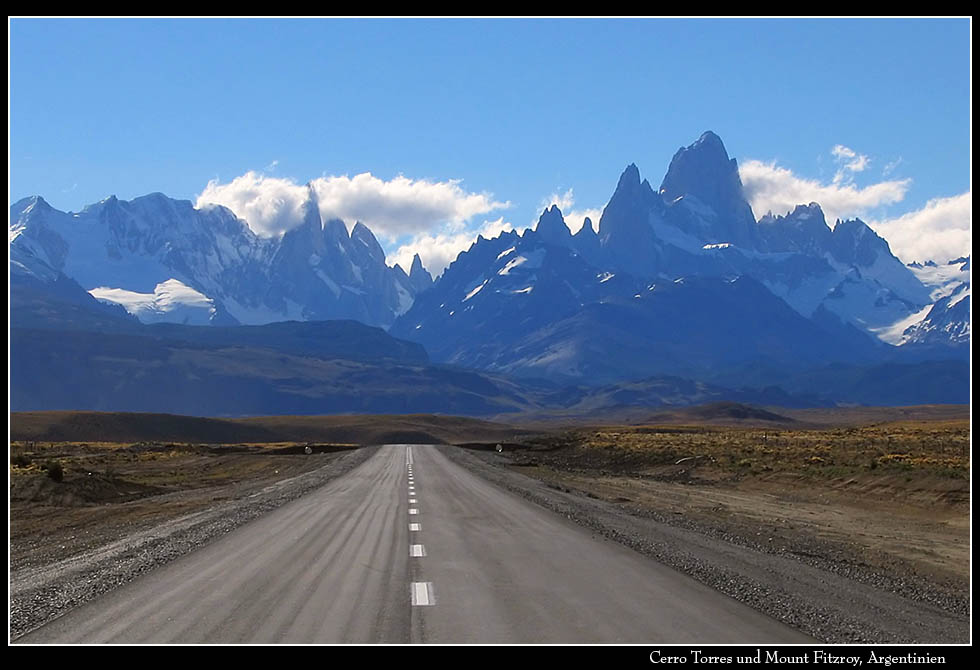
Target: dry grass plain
[
  {"x": 890, "y": 495},
  {"x": 888, "y": 489}
]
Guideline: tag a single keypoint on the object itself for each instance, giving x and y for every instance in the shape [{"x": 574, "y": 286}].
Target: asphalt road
[{"x": 410, "y": 547}]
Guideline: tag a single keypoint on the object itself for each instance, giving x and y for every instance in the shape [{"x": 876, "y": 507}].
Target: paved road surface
[{"x": 410, "y": 547}]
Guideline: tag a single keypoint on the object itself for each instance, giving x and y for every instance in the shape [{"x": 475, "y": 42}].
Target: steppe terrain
[{"x": 877, "y": 498}]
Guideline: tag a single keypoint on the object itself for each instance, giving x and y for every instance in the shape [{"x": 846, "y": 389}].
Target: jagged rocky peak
[
  {"x": 630, "y": 177},
  {"x": 631, "y": 188},
  {"x": 802, "y": 216},
  {"x": 335, "y": 230},
  {"x": 625, "y": 227},
  {"x": 418, "y": 275},
  {"x": 854, "y": 243},
  {"x": 586, "y": 230},
  {"x": 361, "y": 233},
  {"x": 311, "y": 209},
  {"x": 34, "y": 203},
  {"x": 630, "y": 204},
  {"x": 551, "y": 227},
  {"x": 703, "y": 171},
  {"x": 808, "y": 211},
  {"x": 803, "y": 230}
]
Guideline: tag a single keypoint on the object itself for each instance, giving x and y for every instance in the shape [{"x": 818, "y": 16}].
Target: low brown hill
[{"x": 66, "y": 426}]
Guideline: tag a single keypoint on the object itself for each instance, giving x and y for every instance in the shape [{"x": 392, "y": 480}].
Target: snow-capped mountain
[
  {"x": 684, "y": 264},
  {"x": 533, "y": 305},
  {"x": 943, "y": 279},
  {"x": 700, "y": 222},
  {"x": 164, "y": 260},
  {"x": 947, "y": 322},
  {"x": 544, "y": 302}
]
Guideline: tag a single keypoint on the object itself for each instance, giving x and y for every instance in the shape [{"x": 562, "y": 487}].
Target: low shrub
[
  {"x": 20, "y": 460},
  {"x": 55, "y": 471}
]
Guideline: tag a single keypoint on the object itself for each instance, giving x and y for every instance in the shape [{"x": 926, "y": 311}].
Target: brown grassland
[
  {"x": 890, "y": 489},
  {"x": 894, "y": 495}
]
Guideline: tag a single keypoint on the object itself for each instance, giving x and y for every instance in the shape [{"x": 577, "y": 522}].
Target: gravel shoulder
[
  {"x": 825, "y": 588},
  {"x": 42, "y": 590}
]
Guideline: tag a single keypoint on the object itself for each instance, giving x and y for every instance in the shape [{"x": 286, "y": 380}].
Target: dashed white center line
[
  {"x": 416, "y": 550},
  {"x": 422, "y": 594},
  {"x": 413, "y": 510},
  {"x": 408, "y": 456},
  {"x": 413, "y": 501},
  {"x": 414, "y": 527}
]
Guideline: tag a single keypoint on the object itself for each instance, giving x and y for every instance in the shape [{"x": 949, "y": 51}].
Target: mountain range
[
  {"x": 672, "y": 285},
  {"x": 682, "y": 280},
  {"x": 163, "y": 260}
]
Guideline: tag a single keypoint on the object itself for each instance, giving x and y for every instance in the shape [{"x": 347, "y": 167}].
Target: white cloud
[
  {"x": 574, "y": 218},
  {"x": 401, "y": 206},
  {"x": 772, "y": 188},
  {"x": 891, "y": 167},
  {"x": 848, "y": 162},
  {"x": 270, "y": 205},
  {"x": 940, "y": 231},
  {"x": 437, "y": 250},
  {"x": 391, "y": 209}
]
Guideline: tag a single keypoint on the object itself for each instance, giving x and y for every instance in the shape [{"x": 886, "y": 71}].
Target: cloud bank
[
  {"x": 269, "y": 205},
  {"x": 940, "y": 231},
  {"x": 770, "y": 188},
  {"x": 391, "y": 209}
]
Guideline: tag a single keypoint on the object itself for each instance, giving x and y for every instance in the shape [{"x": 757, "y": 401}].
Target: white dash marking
[
  {"x": 416, "y": 550},
  {"x": 422, "y": 594},
  {"x": 408, "y": 456},
  {"x": 413, "y": 510},
  {"x": 414, "y": 527},
  {"x": 411, "y": 488},
  {"x": 413, "y": 501}
]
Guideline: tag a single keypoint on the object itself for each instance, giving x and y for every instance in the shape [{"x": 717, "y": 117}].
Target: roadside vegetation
[{"x": 935, "y": 448}]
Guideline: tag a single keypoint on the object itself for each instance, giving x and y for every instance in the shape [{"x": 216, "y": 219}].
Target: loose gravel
[
  {"x": 821, "y": 590},
  {"x": 38, "y": 596}
]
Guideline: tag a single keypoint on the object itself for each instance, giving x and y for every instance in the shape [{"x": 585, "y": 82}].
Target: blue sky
[{"x": 475, "y": 125}]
